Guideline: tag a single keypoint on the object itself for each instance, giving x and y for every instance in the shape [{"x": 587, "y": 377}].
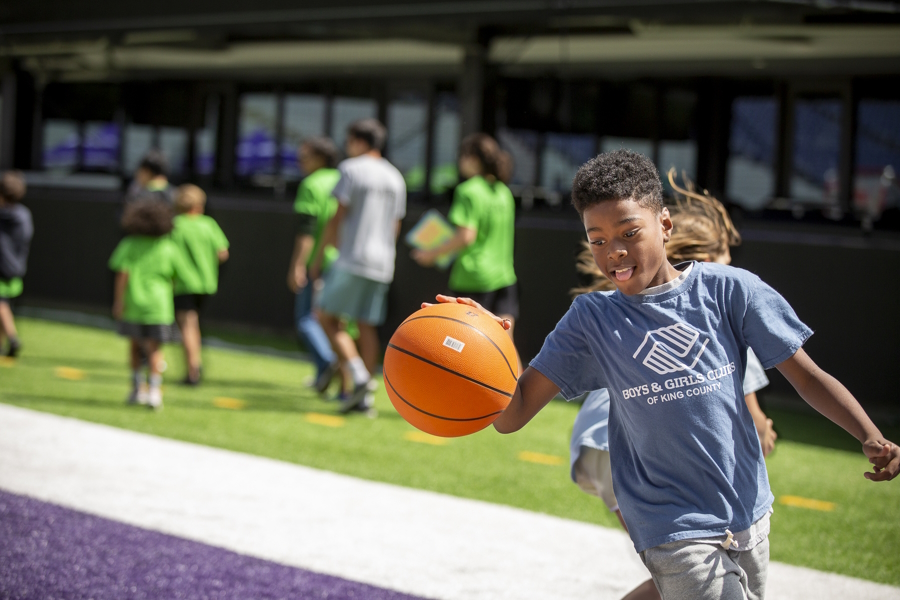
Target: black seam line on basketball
[
  {"x": 457, "y": 373},
  {"x": 425, "y": 412},
  {"x": 509, "y": 366}
]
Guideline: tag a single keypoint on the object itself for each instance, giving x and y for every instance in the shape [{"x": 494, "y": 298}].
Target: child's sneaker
[
  {"x": 358, "y": 396},
  {"x": 324, "y": 379},
  {"x": 138, "y": 396},
  {"x": 14, "y": 347},
  {"x": 154, "y": 398}
]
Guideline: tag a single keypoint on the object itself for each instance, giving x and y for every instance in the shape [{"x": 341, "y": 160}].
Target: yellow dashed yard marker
[
  {"x": 229, "y": 403},
  {"x": 541, "y": 459},
  {"x": 7, "y": 361},
  {"x": 807, "y": 503},
  {"x": 326, "y": 420},
  {"x": 69, "y": 373},
  {"x": 421, "y": 437}
]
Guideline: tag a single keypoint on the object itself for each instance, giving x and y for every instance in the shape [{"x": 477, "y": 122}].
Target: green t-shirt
[
  {"x": 152, "y": 264},
  {"x": 200, "y": 238},
  {"x": 314, "y": 198},
  {"x": 489, "y": 209}
]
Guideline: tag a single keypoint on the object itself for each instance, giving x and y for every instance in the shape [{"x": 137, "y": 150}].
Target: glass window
[
  {"x": 304, "y": 117},
  {"x": 445, "y": 143},
  {"x": 256, "y": 134},
  {"x": 101, "y": 146},
  {"x": 817, "y": 150},
  {"x": 347, "y": 110},
  {"x": 639, "y": 145},
  {"x": 877, "y": 157},
  {"x": 138, "y": 139},
  {"x": 750, "y": 170},
  {"x": 61, "y": 139},
  {"x": 562, "y": 156},
  {"x": 173, "y": 142},
  {"x": 407, "y": 135},
  {"x": 205, "y": 139},
  {"x": 681, "y": 154},
  {"x": 522, "y": 145}
]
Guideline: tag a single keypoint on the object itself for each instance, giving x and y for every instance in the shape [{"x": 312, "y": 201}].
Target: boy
[
  {"x": 313, "y": 207},
  {"x": 204, "y": 247},
  {"x": 16, "y": 231},
  {"x": 371, "y": 194},
  {"x": 670, "y": 345}
]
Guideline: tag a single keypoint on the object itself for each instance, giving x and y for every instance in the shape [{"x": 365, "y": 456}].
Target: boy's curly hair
[
  {"x": 150, "y": 217},
  {"x": 617, "y": 175}
]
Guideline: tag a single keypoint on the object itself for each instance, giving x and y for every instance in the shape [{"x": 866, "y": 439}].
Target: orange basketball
[{"x": 450, "y": 370}]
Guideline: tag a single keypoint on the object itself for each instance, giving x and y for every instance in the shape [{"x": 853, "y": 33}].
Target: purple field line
[{"x": 48, "y": 552}]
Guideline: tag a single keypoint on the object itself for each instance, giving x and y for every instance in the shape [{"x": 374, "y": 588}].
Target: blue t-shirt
[{"x": 684, "y": 449}]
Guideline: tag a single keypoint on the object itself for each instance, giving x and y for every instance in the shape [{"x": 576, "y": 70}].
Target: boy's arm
[
  {"x": 222, "y": 255},
  {"x": 764, "y": 425},
  {"x": 297, "y": 276},
  {"x": 119, "y": 294},
  {"x": 828, "y": 396},
  {"x": 329, "y": 238},
  {"x": 533, "y": 392}
]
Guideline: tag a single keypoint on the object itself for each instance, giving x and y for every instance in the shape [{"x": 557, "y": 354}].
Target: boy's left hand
[{"x": 885, "y": 456}]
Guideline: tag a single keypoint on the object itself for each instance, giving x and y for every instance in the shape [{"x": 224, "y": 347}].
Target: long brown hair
[{"x": 703, "y": 232}]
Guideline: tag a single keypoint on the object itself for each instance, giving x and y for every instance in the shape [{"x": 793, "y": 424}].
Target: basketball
[{"x": 450, "y": 369}]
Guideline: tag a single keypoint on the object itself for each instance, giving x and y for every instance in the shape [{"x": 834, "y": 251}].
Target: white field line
[{"x": 408, "y": 540}]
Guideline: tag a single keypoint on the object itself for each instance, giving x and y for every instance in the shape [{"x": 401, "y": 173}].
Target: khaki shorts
[{"x": 593, "y": 474}]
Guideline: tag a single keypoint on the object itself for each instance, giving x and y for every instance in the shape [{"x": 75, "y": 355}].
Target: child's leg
[
  {"x": 154, "y": 361},
  {"x": 135, "y": 356},
  {"x": 8, "y": 327},
  {"x": 689, "y": 570},
  {"x": 189, "y": 322}
]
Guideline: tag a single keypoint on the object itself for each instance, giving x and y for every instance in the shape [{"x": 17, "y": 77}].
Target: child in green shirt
[
  {"x": 204, "y": 247},
  {"x": 146, "y": 263},
  {"x": 16, "y": 230}
]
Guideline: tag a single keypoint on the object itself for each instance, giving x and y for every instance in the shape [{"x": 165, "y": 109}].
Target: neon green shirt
[
  {"x": 314, "y": 198},
  {"x": 489, "y": 209},
  {"x": 199, "y": 238},
  {"x": 152, "y": 263}
]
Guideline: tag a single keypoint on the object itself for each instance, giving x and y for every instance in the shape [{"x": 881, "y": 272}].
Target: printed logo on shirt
[{"x": 671, "y": 349}]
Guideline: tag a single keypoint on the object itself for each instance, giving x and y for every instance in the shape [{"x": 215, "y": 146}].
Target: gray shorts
[
  {"x": 593, "y": 474},
  {"x": 700, "y": 570},
  {"x": 354, "y": 297}
]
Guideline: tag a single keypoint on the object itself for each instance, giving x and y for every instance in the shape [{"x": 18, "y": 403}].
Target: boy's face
[{"x": 628, "y": 242}]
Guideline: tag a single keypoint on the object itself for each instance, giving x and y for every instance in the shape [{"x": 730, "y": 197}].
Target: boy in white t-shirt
[
  {"x": 671, "y": 348},
  {"x": 371, "y": 194}
]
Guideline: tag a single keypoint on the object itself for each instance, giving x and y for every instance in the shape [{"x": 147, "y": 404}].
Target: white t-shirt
[{"x": 374, "y": 193}]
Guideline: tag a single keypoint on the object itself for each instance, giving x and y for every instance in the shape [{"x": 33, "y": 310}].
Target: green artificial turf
[{"x": 277, "y": 418}]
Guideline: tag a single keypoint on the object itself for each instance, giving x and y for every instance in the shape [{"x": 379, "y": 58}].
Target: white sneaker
[
  {"x": 154, "y": 398},
  {"x": 139, "y": 396}
]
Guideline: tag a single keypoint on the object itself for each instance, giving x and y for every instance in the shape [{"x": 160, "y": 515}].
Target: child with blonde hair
[
  {"x": 703, "y": 231},
  {"x": 147, "y": 263},
  {"x": 205, "y": 247}
]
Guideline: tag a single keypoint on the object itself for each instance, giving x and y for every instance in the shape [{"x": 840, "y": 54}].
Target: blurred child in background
[
  {"x": 16, "y": 230},
  {"x": 204, "y": 247},
  {"x": 703, "y": 231},
  {"x": 484, "y": 214},
  {"x": 314, "y": 207},
  {"x": 146, "y": 263}
]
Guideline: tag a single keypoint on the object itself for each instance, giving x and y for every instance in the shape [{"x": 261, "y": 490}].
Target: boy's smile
[{"x": 628, "y": 242}]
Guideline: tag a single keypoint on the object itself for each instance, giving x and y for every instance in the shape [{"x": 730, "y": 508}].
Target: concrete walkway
[{"x": 406, "y": 540}]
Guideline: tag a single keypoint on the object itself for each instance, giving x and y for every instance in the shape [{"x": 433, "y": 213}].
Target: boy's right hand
[
  {"x": 504, "y": 323},
  {"x": 885, "y": 456}
]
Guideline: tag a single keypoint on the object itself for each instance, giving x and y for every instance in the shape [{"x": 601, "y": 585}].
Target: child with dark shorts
[
  {"x": 16, "y": 231},
  {"x": 204, "y": 247},
  {"x": 146, "y": 263}
]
